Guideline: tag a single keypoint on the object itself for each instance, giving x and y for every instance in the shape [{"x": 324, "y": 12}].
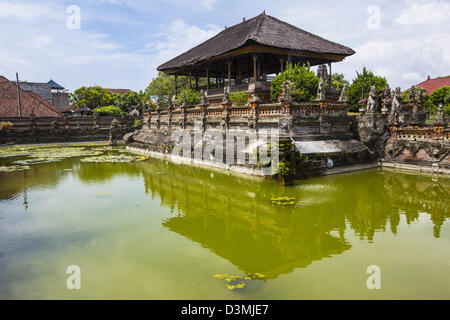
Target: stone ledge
[{"x": 415, "y": 167}]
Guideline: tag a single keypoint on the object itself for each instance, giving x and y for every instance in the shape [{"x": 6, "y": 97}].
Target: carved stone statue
[
  {"x": 412, "y": 95},
  {"x": 343, "y": 95},
  {"x": 440, "y": 114},
  {"x": 322, "y": 73},
  {"x": 372, "y": 101},
  {"x": 420, "y": 96},
  {"x": 396, "y": 106},
  {"x": 114, "y": 132},
  {"x": 286, "y": 92},
  {"x": 321, "y": 91},
  {"x": 203, "y": 100},
  {"x": 185, "y": 103},
  {"x": 226, "y": 96}
]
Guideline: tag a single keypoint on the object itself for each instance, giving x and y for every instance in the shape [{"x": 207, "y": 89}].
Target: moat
[{"x": 157, "y": 230}]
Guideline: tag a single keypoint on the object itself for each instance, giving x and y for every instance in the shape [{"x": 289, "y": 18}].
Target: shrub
[
  {"x": 304, "y": 83},
  {"x": 240, "y": 98},
  {"x": 360, "y": 87},
  {"x": 5, "y": 125},
  {"x": 441, "y": 95},
  {"x": 192, "y": 97},
  {"x": 108, "y": 111}
]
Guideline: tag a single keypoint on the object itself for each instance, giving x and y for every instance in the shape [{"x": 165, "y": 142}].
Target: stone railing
[{"x": 290, "y": 117}]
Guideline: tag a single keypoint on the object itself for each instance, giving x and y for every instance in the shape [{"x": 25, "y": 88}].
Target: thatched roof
[{"x": 262, "y": 30}]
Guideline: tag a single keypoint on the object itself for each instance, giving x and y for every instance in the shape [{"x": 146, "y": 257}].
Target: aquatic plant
[
  {"x": 283, "y": 201},
  {"x": 13, "y": 168},
  {"x": 233, "y": 282},
  {"x": 115, "y": 159}
]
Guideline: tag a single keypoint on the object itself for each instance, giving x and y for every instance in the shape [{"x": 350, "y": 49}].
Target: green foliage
[
  {"x": 338, "y": 81},
  {"x": 304, "y": 83},
  {"x": 441, "y": 95},
  {"x": 192, "y": 97},
  {"x": 360, "y": 87},
  {"x": 162, "y": 87},
  {"x": 428, "y": 105},
  {"x": 92, "y": 97},
  {"x": 108, "y": 111},
  {"x": 131, "y": 98},
  {"x": 240, "y": 98}
]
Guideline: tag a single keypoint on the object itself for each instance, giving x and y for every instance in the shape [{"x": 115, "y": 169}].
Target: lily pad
[
  {"x": 115, "y": 159},
  {"x": 283, "y": 201},
  {"x": 13, "y": 168}
]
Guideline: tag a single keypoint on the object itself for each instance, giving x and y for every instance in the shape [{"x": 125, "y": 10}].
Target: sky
[{"x": 120, "y": 43}]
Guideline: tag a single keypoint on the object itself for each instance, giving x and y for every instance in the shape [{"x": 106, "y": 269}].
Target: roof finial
[
  {"x": 243, "y": 19},
  {"x": 264, "y": 12}
]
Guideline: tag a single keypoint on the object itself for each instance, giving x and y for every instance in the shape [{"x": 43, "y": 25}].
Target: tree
[
  {"x": 131, "y": 98},
  {"x": 360, "y": 87},
  {"x": 441, "y": 95},
  {"x": 92, "y": 97},
  {"x": 338, "y": 81},
  {"x": 192, "y": 97},
  {"x": 304, "y": 83},
  {"x": 162, "y": 88}
]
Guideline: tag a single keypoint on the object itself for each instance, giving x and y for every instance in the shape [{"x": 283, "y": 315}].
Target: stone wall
[
  {"x": 60, "y": 100},
  {"x": 69, "y": 129},
  {"x": 400, "y": 135},
  {"x": 320, "y": 124}
]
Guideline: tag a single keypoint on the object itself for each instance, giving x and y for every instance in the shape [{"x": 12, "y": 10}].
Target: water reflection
[{"x": 235, "y": 218}]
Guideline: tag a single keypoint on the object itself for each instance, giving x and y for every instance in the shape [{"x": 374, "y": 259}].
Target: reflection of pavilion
[{"x": 235, "y": 219}]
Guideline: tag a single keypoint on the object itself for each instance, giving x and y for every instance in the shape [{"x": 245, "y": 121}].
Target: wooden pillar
[
  {"x": 176, "y": 86},
  {"x": 255, "y": 70},
  {"x": 329, "y": 65},
  {"x": 196, "y": 83},
  {"x": 282, "y": 60},
  {"x": 207, "y": 79},
  {"x": 229, "y": 73},
  {"x": 190, "y": 82}
]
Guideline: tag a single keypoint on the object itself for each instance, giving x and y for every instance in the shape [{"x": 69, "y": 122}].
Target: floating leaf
[
  {"x": 115, "y": 159},
  {"x": 219, "y": 276},
  {"x": 13, "y": 168}
]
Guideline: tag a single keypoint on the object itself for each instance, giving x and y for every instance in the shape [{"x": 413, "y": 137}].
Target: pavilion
[{"x": 242, "y": 56}]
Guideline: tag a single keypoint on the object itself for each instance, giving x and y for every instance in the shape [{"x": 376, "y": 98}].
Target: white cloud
[
  {"x": 427, "y": 13},
  {"x": 402, "y": 60},
  {"x": 24, "y": 11},
  {"x": 178, "y": 38}
]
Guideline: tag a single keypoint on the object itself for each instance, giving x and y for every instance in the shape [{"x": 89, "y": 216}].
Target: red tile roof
[
  {"x": 29, "y": 100},
  {"x": 430, "y": 85}
]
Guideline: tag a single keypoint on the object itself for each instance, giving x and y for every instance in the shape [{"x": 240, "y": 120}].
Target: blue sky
[{"x": 121, "y": 42}]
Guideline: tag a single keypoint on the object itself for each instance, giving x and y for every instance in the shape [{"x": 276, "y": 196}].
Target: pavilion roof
[
  {"x": 262, "y": 30},
  {"x": 54, "y": 85}
]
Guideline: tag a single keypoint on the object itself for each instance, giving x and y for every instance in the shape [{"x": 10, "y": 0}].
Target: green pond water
[{"x": 156, "y": 230}]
